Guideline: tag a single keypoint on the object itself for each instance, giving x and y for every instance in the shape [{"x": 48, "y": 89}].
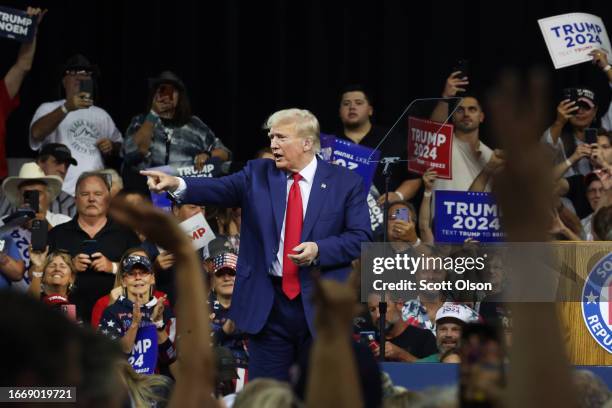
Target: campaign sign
[
  {"x": 143, "y": 358},
  {"x": 430, "y": 145},
  {"x": 212, "y": 168},
  {"x": 360, "y": 159},
  {"x": 17, "y": 25},
  {"x": 463, "y": 214},
  {"x": 570, "y": 38},
  {"x": 198, "y": 230},
  {"x": 596, "y": 302}
]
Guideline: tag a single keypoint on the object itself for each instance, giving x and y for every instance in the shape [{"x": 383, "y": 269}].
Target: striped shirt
[{"x": 63, "y": 204}]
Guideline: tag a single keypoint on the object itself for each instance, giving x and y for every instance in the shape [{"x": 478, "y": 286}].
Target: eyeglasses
[{"x": 133, "y": 273}]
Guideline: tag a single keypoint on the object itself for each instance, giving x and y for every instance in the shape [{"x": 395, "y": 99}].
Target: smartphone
[
  {"x": 481, "y": 374},
  {"x": 69, "y": 311},
  {"x": 39, "y": 230},
  {"x": 590, "y": 135},
  {"x": 463, "y": 66},
  {"x": 570, "y": 93},
  {"x": 86, "y": 85},
  {"x": 402, "y": 214},
  {"x": 89, "y": 247},
  {"x": 31, "y": 199}
]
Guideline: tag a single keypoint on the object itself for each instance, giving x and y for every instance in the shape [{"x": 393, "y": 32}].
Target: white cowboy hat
[{"x": 28, "y": 172}]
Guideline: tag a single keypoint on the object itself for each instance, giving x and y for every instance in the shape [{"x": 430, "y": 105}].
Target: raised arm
[
  {"x": 427, "y": 236},
  {"x": 524, "y": 192},
  {"x": 332, "y": 379},
  {"x": 494, "y": 164},
  {"x": 15, "y": 75},
  {"x": 454, "y": 84}
]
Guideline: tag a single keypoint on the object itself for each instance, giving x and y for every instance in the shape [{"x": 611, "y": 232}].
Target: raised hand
[{"x": 454, "y": 84}]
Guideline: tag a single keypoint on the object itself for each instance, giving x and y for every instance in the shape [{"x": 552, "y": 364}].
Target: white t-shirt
[
  {"x": 80, "y": 130},
  {"x": 466, "y": 166}
]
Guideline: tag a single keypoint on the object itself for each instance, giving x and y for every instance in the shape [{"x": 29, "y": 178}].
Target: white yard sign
[{"x": 570, "y": 38}]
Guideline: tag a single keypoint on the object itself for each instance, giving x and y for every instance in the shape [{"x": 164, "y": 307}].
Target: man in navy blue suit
[{"x": 298, "y": 212}]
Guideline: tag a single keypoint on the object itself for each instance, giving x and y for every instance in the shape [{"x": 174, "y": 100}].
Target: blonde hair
[
  {"x": 116, "y": 180},
  {"x": 266, "y": 393},
  {"x": 66, "y": 258},
  {"x": 305, "y": 122},
  {"x": 142, "y": 387}
]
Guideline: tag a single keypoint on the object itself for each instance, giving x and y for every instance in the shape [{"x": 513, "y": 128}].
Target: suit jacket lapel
[
  {"x": 278, "y": 192},
  {"x": 318, "y": 194}
]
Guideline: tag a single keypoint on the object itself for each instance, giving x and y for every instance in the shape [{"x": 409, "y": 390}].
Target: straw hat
[{"x": 29, "y": 172}]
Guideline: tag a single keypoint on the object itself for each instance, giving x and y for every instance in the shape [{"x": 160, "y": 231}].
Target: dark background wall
[{"x": 242, "y": 60}]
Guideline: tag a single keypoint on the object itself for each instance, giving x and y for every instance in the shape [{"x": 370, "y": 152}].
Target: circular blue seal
[{"x": 597, "y": 302}]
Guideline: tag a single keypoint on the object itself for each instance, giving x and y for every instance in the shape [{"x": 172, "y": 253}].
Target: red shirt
[{"x": 7, "y": 105}]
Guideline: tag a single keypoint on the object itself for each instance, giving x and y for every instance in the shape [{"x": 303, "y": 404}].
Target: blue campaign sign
[
  {"x": 161, "y": 200},
  {"x": 143, "y": 358},
  {"x": 352, "y": 156},
  {"x": 16, "y": 24},
  {"x": 463, "y": 214}
]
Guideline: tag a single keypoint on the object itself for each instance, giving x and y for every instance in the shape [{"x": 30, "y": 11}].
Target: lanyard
[{"x": 168, "y": 133}]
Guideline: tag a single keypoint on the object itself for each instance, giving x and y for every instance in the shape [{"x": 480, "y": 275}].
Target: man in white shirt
[
  {"x": 87, "y": 130},
  {"x": 469, "y": 155},
  {"x": 32, "y": 178}
]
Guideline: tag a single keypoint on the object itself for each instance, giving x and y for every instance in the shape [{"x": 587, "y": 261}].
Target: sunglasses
[{"x": 225, "y": 271}]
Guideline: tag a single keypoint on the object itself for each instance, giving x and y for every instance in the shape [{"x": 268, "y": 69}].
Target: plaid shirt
[{"x": 186, "y": 143}]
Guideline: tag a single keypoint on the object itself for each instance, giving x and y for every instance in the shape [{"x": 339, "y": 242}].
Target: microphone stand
[{"x": 382, "y": 305}]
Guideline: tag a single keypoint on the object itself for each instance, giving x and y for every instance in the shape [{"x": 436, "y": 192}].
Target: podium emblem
[{"x": 597, "y": 302}]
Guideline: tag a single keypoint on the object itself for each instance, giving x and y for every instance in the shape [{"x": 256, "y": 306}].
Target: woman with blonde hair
[
  {"x": 144, "y": 390},
  {"x": 53, "y": 277},
  {"x": 117, "y": 290}
]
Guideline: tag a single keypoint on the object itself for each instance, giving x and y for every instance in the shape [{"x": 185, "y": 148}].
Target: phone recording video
[
  {"x": 89, "y": 247},
  {"x": 40, "y": 229},
  {"x": 462, "y": 65},
  {"x": 31, "y": 200},
  {"x": 86, "y": 85},
  {"x": 590, "y": 135},
  {"x": 402, "y": 214}
]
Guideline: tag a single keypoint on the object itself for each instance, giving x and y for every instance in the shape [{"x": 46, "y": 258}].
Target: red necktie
[{"x": 293, "y": 233}]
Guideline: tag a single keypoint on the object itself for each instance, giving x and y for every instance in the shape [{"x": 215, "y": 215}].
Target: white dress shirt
[{"x": 307, "y": 174}]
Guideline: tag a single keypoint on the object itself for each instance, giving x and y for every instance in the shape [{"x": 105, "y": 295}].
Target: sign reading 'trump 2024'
[{"x": 463, "y": 214}]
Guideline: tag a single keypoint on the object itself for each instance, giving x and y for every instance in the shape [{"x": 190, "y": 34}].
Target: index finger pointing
[{"x": 152, "y": 173}]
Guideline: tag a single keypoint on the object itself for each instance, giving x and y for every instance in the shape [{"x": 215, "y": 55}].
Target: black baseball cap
[
  {"x": 167, "y": 77},
  {"x": 60, "y": 151}
]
